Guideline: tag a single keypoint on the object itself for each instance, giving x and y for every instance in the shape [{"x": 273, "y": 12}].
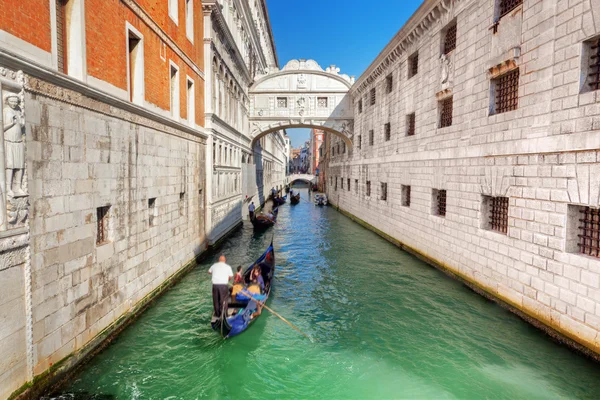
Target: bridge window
[
  {"x": 368, "y": 188},
  {"x": 372, "y": 95},
  {"x": 405, "y": 195},
  {"x": 410, "y": 124},
  {"x": 322, "y": 102},
  {"x": 496, "y": 211},
  {"x": 446, "y": 112},
  {"x": 450, "y": 39},
  {"x": 282, "y": 102},
  {"x": 384, "y": 191},
  {"x": 387, "y": 129},
  {"x": 360, "y": 106},
  {"x": 389, "y": 83},
  {"x": 505, "y": 90},
  {"x": 413, "y": 65},
  {"x": 371, "y": 137}
]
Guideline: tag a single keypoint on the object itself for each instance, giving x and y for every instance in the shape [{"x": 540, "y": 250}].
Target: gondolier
[
  {"x": 251, "y": 209},
  {"x": 221, "y": 275}
]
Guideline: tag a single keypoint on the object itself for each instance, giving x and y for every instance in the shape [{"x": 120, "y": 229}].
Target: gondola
[
  {"x": 279, "y": 200},
  {"x": 287, "y": 189},
  {"x": 261, "y": 221},
  {"x": 240, "y": 308},
  {"x": 295, "y": 199},
  {"x": 320, "y": 199}
]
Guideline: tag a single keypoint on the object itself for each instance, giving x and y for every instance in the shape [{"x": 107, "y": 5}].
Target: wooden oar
[{"x": 246, "y": 293}]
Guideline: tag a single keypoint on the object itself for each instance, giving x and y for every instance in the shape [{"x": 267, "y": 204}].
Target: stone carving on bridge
[{"x": 301, "y": 81}]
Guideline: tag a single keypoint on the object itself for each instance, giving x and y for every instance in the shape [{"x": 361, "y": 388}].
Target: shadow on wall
[{"x": 260, "y": 179}]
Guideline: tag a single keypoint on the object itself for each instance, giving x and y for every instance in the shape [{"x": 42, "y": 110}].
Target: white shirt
[
  {"x": 251, "y": 207},
  {"x": 221, "y": 273}
]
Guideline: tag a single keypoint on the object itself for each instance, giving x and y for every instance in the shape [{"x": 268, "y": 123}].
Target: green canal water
[{"x": 385, "y": 326}]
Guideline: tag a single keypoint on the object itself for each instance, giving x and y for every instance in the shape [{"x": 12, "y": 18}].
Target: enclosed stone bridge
[
  {"x": 303, "y": 178},
  {"x": 302, "y": 95}
]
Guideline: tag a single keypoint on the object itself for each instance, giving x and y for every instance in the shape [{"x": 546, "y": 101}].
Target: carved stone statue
[
  {"x": 14, "y": 147},
  {"x": 301, "y": 102},
  {"x": 445, "y": 62},
  {"x": 301, "y": 81}
]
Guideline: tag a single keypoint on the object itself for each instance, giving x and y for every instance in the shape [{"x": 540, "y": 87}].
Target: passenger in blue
[{"x": 256, "y": 277}]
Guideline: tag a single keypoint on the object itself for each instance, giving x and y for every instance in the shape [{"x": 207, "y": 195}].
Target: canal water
[{"x": 384, "y": 325}]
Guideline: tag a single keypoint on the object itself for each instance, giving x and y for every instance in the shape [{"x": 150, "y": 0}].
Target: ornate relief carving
[{"x": 12, "y": 258}]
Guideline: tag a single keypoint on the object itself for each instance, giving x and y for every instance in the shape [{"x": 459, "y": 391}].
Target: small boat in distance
[
  {"x": 295, "y": 199},
  {"x": 320, "y": 199},
  {"x": 262, "y": 221},
  {"x": 242, "y": 309},
  {"x": 279, "y": 200}
]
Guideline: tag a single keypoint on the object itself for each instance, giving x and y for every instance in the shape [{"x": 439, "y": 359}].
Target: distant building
[{"x": 317, "y": 137}]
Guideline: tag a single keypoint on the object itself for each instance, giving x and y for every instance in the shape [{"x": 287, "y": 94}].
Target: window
[
  {"x": 387, "y": 131},
  {"x": 348, "y": 184},
  {"x": 383, "y": 191},
  {"x": 342, "y": 183},
  {"x": 282, "y": 102},
  {"x": 61, "y": 40},
  {"x": 182, "y": 204},
  {"x": 405, "y": 195},
  {"x": 495, "y": 210},
  {"x": 371, "y": 137},
  {"x": 359, "y": 142},
  {"x": 389, "y": 83},
  {"x": 135, "y": 67},
  {"x": 322, "y": 102},
  {"x": 191, "y": 102},
  {"x": 355, "y": 186},
  {"x": 410, "y": 124},
  {"x": 507, "y": 6},
  {"x": 583, "y": 230},
  {"x": 368, "y": 188},
  {"x": 413, "y": 65},
  {"x": 174, "y": 91},
  {"x": 336, "y": 179},
  {"x": 344, "y": 147},
  {"x": 446, "y": 112},
  {"x": 439, "y": 202},
  {"x": 506, "y": 92},
  {"x": 450, "y": 40},
  {"x": 332, "y": 151},
  {"x": 173, "y": 6},
  {"x": 189, "y": 19},
  {"x": 591, "y": 65},
  {"x": 372, "y": 96},
  {"x": 70, "y": 38},
  {"x": 102, "y": 224},
  {"x": 338, "y": 148},
  {"x": 152, "y": 212},
  {"x": 360, "y": 106}
]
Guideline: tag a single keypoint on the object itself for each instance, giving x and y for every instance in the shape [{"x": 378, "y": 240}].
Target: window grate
[
  {"x": 441, "y": 203},
  {"x": 446, "y": 114},
  {"x": 411, "y": 125},
  {"x": 413, "y": 65},
  {"x": 373, "y": 96},
  {"x": 282, "y": 102},
  {"x": 360, "y": 106},
  {"x": 371, "y": 137},
  {"x": 383, "y": 191},
  {"x": 322, "y": 102},
  {"x": 499, "y": 214},
  {"x": 368, "y": 188},
  {"x": 405, "y": 195},
  {"x": 60, "y": 35},
  {"x": 594, "y": 75},
  {"x": 348, "y": 184},
  {"x": 507, "y": 92},
  {"x": 450, "y": 40},
  {"x": 507, "y": 6},
  {"x": 102, "y": 224},
  {"x": 387, "y": 129},
  {"x": 389, "y": 83},
  {"x": 589, "y": 226}
]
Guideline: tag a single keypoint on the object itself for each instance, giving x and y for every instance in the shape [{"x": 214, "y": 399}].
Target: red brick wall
[{"x": 28, "y": 20}]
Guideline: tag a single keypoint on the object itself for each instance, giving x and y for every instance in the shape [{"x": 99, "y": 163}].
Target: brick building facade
[
  {"x": 103, "y": 114},
  {"x": 476, "y": 140}
]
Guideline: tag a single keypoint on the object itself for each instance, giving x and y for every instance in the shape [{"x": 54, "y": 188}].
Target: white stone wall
[{"x": 543, "y": 156}]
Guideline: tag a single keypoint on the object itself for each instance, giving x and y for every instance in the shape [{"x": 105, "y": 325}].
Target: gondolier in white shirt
[
  {"x": 221, "y": 275},
  {"x": 251, "y": 210}
]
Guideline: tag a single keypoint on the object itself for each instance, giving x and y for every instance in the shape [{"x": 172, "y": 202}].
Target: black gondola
[
  {"x": 261, "y": 221},
  {"x": 295, "y": 199},
  {"x": 240, "y": 312},
  {"x": 279, "y": 200},
  {"x": 287, "y": 189}
]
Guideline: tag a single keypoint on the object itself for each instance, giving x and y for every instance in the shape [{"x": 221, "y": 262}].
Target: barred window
[
  {"x": 387, "y": 129},
  {"x": 450, "y": 40},
  {"x": 152, "y": 212},
  {"x": 439, "y": 201},
  {"x": 336, "y": 179},
  {"x": 332, "y": 151},
  {"x": 359, "y": 142},
  {"x": 342, "y": 183},
  {"x": 182, "y": 200},
  {"x": 589, "y": 231},
  {"x": 355, "y": 186},
  {"x": 410, "y": 124},
  {"x": 371, "y": 137},
  {"x": 383, "y": 191},
  {"x": 389, "y": 83},
  {"x": 405, "y": 195},
  {"x": 348, "y": 184},
  {"x": 368, "y": 188},
  {"x": 102, "y": 224},
  {"x": 344, "y": 147},
  {"x": 60, "y": 35},
  {"x": 372, "y": 95},
  {"x": 507, "y": 6},
  {"x": 497, "y": 213},
  {"x": 360, "y": 106},
  {"x": 446, "y": 112},
  {"x": 507, "y": 92},
  {"x": 413, "y": 65},
  {"x": 282, "y": 102},
  {"x": 593, "y": 77},
  {"x": 322, "y": 102}
]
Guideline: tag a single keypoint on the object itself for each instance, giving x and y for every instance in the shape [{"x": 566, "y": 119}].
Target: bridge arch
[
  {"x": 307, "y": 178},
  {"x": 302, "y": 95}
]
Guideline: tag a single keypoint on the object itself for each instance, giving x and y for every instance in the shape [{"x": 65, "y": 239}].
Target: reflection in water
[{"x": 386, "y": 326}]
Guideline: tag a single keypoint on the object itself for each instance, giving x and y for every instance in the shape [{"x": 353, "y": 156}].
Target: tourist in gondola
[
  {"x": 256, "y": 277},
  {"x": 221, "y": 275},
  {"x": 238, "y": 276}
]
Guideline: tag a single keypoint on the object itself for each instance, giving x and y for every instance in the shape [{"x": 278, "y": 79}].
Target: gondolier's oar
[{"x": 246, "y": 293}]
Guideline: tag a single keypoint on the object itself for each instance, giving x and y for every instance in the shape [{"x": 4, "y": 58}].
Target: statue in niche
[
  {"x": 14, "y": 147},
  {"x": 301, "y": 81},
  {"x": 301, "y": 102},
  {"x": 445, "y": 62}
]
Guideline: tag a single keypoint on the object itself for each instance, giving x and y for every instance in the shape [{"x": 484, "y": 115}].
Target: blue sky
[{"x": 347, "y": 33}]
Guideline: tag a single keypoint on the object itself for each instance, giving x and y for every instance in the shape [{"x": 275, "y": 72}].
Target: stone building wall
[{"x": 542, "y": 156}]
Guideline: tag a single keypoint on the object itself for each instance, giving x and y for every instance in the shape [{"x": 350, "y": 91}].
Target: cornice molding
[
  {"x": 421, "y": 22},
  {"x": 142, "y": 15}
]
